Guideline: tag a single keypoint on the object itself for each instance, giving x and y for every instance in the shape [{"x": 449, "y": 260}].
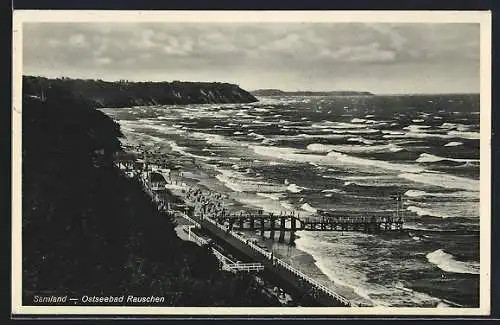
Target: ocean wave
[
  {"x": 331, "y": 130},
  {"x": 392, "y": 132},
  {"x": 453, "y": 144},
  {"x": 307, "y": 207},
  {"x": 301, "y": 136},
  {"x": 361, "y": 140},
  {"x": 318, "y": 249},
  {"x": 294, "y": 188},
  {"x": 239, "y": 182},
  {"x": 455, "y": 126},
  {"x": 333, "y": 190},
  {"x": 337, "y": 125},
  {"x": 459, "y": 194},
  {"x": 418, "y": 135},
  {"x": 443, "y": 180},
  {"x": 368, "y": 181},
  {"x": 428, "y": 158},
  {"x": 332, "y": 159},
  {"x": 287, "y": 206},
  {"x": 272, "y": 196},
  {"x": 258, "y": 136},
  {"x": 317, "y": 147},
  {"x": 358, "y": 120},
  {"x": 341, "y": 268},
  {"x": 448, "y": 263},
  {"x": 181, "y": 150},
  {"x": 464, "y": 135},
  {"x": 426, "y": 212},
  {"x": 416, "y": 128}
]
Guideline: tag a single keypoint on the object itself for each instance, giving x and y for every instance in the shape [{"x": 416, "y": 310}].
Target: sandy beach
[{"x": 196, "y": 178}]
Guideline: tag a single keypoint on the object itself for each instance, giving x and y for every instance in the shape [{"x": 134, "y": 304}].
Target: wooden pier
[{"x": 221, "y": 227}]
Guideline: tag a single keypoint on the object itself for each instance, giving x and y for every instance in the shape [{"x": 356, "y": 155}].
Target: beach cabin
[
  {"x": 157, "y": 181},
  {"x": 125, "y": 160}
]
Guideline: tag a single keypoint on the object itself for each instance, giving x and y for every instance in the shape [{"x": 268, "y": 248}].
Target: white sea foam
[
  {"x": 307, "y": 207},
  {"x": 464, "y": 135},
  {"x": 332, "y": 159},
  {"x": 448, "y": 263},
  {"x": 425, "y": 158},
  {"x": 416, "y": 128},
  {"x": 240, "y": 182},
  {"x": 418, "y": 135},
  {"x": 392, "y": 132},
  {"x": 287, "y": 206},
  {"x": 333, "y": 190},
  {"x": 272, "y": 196},
  {"x": 174, "y": 147},
  {"x": 358, "y": 120},
  {"x": 453, "y": 144},
  {"x": 456, "y": 126},
  {"x": 360, "y": 139},
  {"x": 337, "y": 125},
  {"x": 258, "y": 136},
  {"x": 332, "y": 261},
  {"x": 426, "y": 212},
  {"x": 416, "y": 193},
  {"x": 316, "y": 147},
  {"x": 294, "y": 188},
  {"x": 443, "y": 180},
  {"x": 458, "y": 194}
]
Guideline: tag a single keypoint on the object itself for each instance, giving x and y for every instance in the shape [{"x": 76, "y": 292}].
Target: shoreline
[
  {"x": 202, "y": 175},
  {"x": 297, "y": 259}
]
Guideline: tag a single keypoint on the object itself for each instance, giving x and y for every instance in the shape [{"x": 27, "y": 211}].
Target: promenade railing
[
  {"x": 231, "y": 265},
  {"x": 288, "y": 267}
]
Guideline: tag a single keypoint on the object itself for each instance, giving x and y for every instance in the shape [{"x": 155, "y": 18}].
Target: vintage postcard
[{"x": 251, "y": 163}]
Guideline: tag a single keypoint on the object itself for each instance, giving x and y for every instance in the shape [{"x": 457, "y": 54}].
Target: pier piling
[
  {"x": 281, "y": 238},
  {"x": 271, "y": 235}
]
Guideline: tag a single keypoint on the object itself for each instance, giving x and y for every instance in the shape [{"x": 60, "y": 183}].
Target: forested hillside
[
  {"x": 89, "y": 230},
  {"x": 127, "y": 94}
]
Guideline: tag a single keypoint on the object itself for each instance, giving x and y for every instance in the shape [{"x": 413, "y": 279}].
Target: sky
[{"x": 380, "y": 58}]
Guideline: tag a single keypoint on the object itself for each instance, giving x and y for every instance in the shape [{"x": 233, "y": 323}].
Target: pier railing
[
  {"x": 288, "y": 267},
  {"x": 227, "y": 263},
  {"x": 313, "y": 282},
  {"x": 244, "y": 267}
]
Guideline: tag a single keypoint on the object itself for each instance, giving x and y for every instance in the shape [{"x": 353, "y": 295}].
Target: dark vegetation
[
  {"x": 277, "y": 92},
  {"x": 127, "y": 94},
  {"x": 89, "y": 230}
]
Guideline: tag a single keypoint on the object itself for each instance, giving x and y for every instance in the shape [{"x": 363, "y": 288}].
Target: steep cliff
[
  {"x": 126, "y": 94},
  {"x": 89, "y": 230}
]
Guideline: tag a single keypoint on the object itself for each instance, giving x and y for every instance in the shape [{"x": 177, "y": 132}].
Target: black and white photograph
[{"x": 258, "y": 163}]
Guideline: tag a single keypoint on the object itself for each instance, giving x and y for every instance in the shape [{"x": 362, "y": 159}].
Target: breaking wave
[
  {"x": 428, "y": 158},
  {"x": 443, "y": 180},
  {"x": 324, "y": 148},
  {"x": 307, "y": 207},
  {"x": 447, "y": 263}
]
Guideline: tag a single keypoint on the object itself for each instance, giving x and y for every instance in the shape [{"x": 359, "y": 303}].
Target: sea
[{"x": 347, "y": 154}]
